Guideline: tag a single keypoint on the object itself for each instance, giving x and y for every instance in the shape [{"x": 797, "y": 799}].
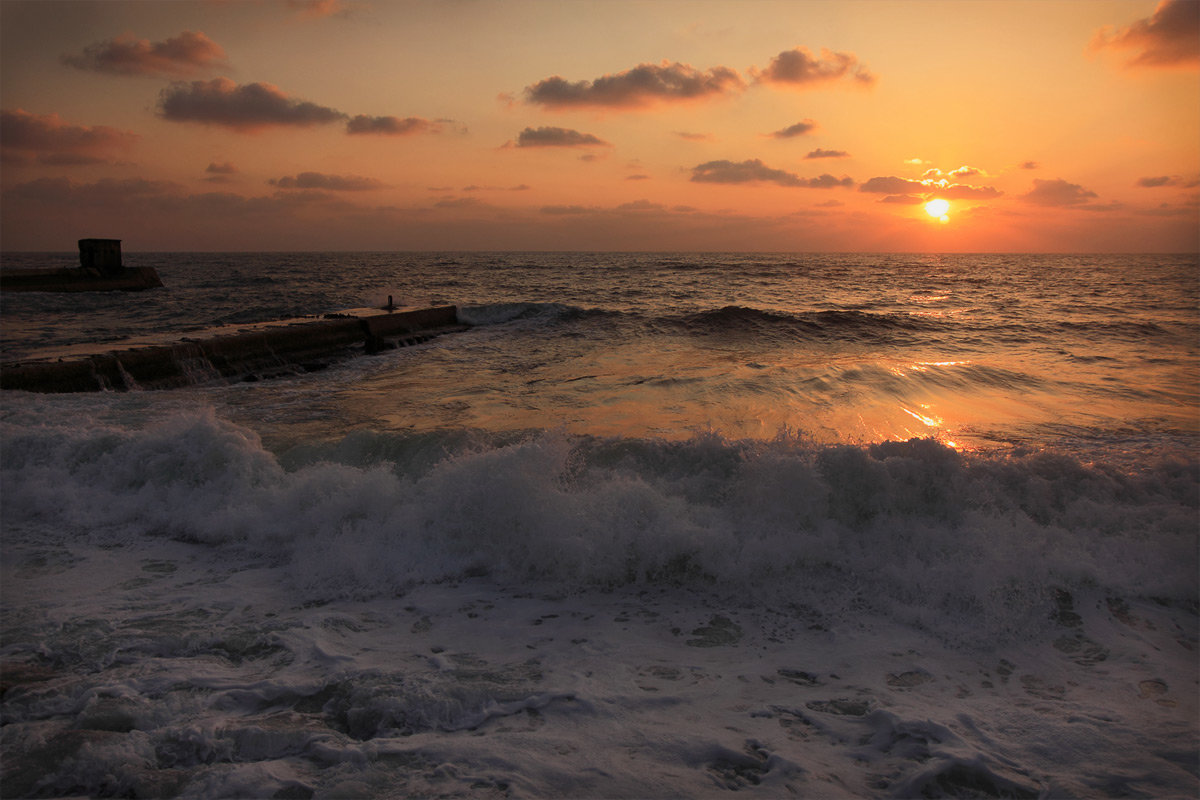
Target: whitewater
[{"x": 654, "y": 525}]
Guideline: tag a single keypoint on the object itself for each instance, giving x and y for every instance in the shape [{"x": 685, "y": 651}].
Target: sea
[{"x": 649, "y": 525}]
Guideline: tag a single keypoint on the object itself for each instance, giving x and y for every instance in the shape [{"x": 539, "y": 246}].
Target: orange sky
[{"x": 614, "y": 125}]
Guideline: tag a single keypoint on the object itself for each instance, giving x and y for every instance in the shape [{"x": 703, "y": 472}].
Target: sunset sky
[{"x": 808, "y": 125}]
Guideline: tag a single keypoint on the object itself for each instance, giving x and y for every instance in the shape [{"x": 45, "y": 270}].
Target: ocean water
[{"x": 655, "y": 525}]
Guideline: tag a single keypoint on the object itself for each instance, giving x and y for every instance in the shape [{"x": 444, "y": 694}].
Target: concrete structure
[
  {"x": 100, "y": 270},
  {"x": 101, "y": 256},
  {"x": 262, "y": 352}
]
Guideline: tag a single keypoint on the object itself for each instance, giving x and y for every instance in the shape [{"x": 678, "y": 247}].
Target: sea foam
[{"x": 965, "y": 544}]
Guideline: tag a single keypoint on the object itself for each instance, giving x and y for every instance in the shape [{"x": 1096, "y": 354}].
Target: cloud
[
  {"x": 52, "y": 141},
  {"x": 799, "y": 68},
  {"x": 335, "y": 183},
  {"x": 1167, "y": 180},
  {"x": 799, "y": 129},
  {"x": 247, "y": 107},
  {"x": 320, "y": 8},
  {"x": 61, "y": 191},
  {"x": 915, "y": 162},
  {"x": 903, "y": 199},
  {"x": 930, "y": 183},
  {"x": 219, "y": 173},
  {"x": 890, "y": 184},
  {"x": 695, "y": 137},
  {"x": 637, "y": 177},
  {"x": 1057, "y": 192},
  {"x": 961, "y": 191},
  {"x": 187, "y": 54},
  {"x": 1030, "y": 165},
  {"x": 520, "y": 187},
  {"x": 642, "y": 86},
  {"x": 819, "y": 153},
  {"x": 1170, "y": 37},
  {"x": 557, "y": 137},
  {"x": 390, "y": 126},
  {"x": 966, "y": 172},
  {"x": 755, "y": 171}
]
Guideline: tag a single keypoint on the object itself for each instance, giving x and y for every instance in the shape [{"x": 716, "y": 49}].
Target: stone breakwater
[{"x": 249, "y": 354}]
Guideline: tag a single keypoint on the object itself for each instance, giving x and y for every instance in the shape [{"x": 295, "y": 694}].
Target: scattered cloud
[
  {"x": 961, "y": 191},
  {"x": 755, "y": 171},
  {"x": 962, "y": 172},
  {"x": 565, "y": 210},
  {"x": 890, "y": 184},
  {"x": 642, "y": 86},
  {"x": 248, "y": 107},
  {"x": 903, "y": 199},
  {"x": 799, "y": 129},
  {"x": 1057, "y": 192},
  {"x": 915, "y": 162},
  {"x": 390, "y": 126},
  {"x": 187, "y": 54},
  {"x": 1167, "y": 180},
  {"x": 335, "y": 183},
  {"x": 1030, "y": 165},
  {"x": 316, "y": 9},
  {"x": 1170, "y": 37},
  {"x": 62, "y": 191},
  {"x": 521, "y": 187},
  {"x": 49, "y": 140},
  {"x": 695, "y": 137},
  {"x": 819, "y": 153},
  {"x": 637, "y": 177},
  {"x": 966, "y": 172},
  {"x": 219, "y": 173},
  {"x": 557, "y": 137},
  {"x": 930, "y": 183},
  {"x": 799, "y": 68}
]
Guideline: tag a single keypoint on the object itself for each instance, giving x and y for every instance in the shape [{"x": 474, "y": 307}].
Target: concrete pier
[{"x": 251, "y": 353}]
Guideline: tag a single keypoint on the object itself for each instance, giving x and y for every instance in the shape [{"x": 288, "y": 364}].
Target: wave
[
  {"x": 501, "y": 313},
  {"x": 839, "y": 324},
  {"x": 967, "y": 546}
]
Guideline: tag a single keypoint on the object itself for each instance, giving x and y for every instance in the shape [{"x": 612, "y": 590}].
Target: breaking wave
[{"x": 967, "y": 546}]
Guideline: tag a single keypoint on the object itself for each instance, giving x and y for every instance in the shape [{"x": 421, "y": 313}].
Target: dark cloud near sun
[
  {"x": 755, "y": 171},
  {"x": 890, "y": 184},
  {"x": 390, "y": 126},
  {"x": 799, "y": 68},
  {"x": 792, "y": 131},
  {"x": 50, "y": 140},
  {"x": 557, "y": 137},
  {"x": 333, "y": 183},
  {"x": 961, "y": 191},
  {"x": 819, "y": 153},
  {"x": 639, "y": 87},
  {"x": 903, "y": 199},
  {"x": 245, "y": 107},
  {"x": 930, "y": 184},
  {"x": 189, "y": 53},
  {"x": 1057, "y": 192},
  {"x": 1170, "y": 37}
]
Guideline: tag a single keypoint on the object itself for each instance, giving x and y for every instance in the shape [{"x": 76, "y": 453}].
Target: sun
[{"x": 938, "y": 208}]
